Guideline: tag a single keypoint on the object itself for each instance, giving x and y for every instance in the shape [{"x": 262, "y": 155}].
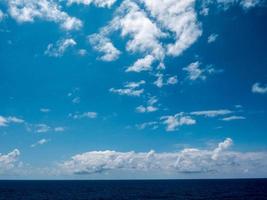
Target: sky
[{"x": 133, "y": 89}]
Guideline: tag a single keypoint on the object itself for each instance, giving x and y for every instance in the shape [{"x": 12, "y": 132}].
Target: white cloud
[
  {"x": 58, "y": 49},
  {"x": 231, "y": 118},
  {"x": 258, "y": 88},
  {"x": 221, "y": 147},
  {"x": 143, "y": 32},
  {"x": 150, "y": 107},
  {"x": 40, "y": 142},
  {"x": 5, "y": 121},
  {"x": 98, "y": 3},
  {"x": 187, "y": 161},
  {"x": 178, "y": 17},
  {"x": 247, "y": 4},
  {"x": 59, "y": 129},
  {"x": 153, "y": 125},
  {"x": 45, "y": 110},
  {"x": 90, "y": 115},
  {"x": 160, "y": 81},
  {"x": 2, "y": 15},
  {"x": 76, "y": 100},
  {"x": 8, "y": 161},
  {"x": 212, "y": 113},
  {"x": 42, "y": 128},
  {"x": 143, "y": 64},
  {"x": 177, "y": 120},
  {"x": 104, "y": 45},
  {"x": 130, "y": 89},
  {"x": 212, "y": 38},
  {"x": 29, "y": 10},
  {"x": 194, "y": 71}
]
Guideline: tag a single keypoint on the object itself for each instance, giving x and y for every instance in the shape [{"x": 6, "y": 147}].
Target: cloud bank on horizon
[{"x": 107, "y": 69}]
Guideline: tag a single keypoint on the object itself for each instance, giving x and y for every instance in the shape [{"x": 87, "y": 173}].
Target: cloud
[
  {"x": 59, "y": 129},
  {"x": 42, "y": 128},
  {"x": 178, "y": 17},
  {"x": 98, "y": 3},
  {"x": 5, "y": 121},
  {"x": 150, "y": 107},
  {"x": 177, "y": 120},
  {"x": 143, "y": 64},
  {"x": 40, "y": 142},
  {"x": 143, "y": 33},
  {"x": 212, "y": 113},
  {"x": 153, "y": 125},
  {"x": 2, "y": 15},
  {"x": 90, "y": 115},
  {"x": 160, "y": 81},
  {"x": 231, "y": 118},
  {"x": 212, "y": 38},
  {"x": 104, "y": 45},
  {"x": 76, "y": 100},
  {"x": 29, "y": 10},
  {"x": 58, "y": 49},
  {"x": 258, "y": 88},
  {"x": 221, "y": 147},
  {"x": 8, "y": 161},
  {"x": 187, "y": 161},
  {"x": 45, "y": 110},
  {"x": 130, "y": 89},
  {"x": 195, "y": 72}
]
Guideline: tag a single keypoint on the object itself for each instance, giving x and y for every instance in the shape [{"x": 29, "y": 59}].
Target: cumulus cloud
[
  {"x": 29, "y": 10},
  {"x": 212, "y": 113},
  {"x": 40, "y": 142},
  {"x": 142, "y": 64},
  {"x": 221, "y": 147},
  {"x": 98, "y": 3},
  {"x": 5, "y": 121},
  {"x": 258, "y": 88},
  {"x": 8, "y": 161},
  {"x": 58, "y": 49},
  {"x": 178, "y": 17},
  {"x": 150, "y": 107},
  {"x": 177, "y": 120},
  {"x": 130, "y": 89},
  {"x": 234, "y": 117},
  {"x": 104, "y": 45},
  {"x": 188, "y": 160},
  {"x": 212, "y": 38}
]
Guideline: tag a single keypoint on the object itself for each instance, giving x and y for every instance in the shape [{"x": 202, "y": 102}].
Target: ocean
[{"x": 236, "y": 189}]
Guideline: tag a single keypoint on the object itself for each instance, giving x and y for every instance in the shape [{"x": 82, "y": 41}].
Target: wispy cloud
[
  {"x": 58, "y": 49},
  {"x": 212, "y": 38},
  {"x": 212, "y": 113},
  {"x": 5, "y": 121},
  {"x": 231, "y": 118},
  {"x": 130, "y": 89},
  {"x": 40, "y": 142},
  {"x": 90, "y": 115},
  {"x": 150, "y": 107},
  {"x": 258, "y": 88}
]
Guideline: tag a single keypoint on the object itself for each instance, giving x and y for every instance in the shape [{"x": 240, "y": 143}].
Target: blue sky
[{"x": 133, "y": 89}]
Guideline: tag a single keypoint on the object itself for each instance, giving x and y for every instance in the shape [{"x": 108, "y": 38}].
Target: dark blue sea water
[{"x": 245, "y": 189}]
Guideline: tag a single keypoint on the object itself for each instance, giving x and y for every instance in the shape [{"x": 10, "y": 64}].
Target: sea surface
[{"x": 242, "y": 189}]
